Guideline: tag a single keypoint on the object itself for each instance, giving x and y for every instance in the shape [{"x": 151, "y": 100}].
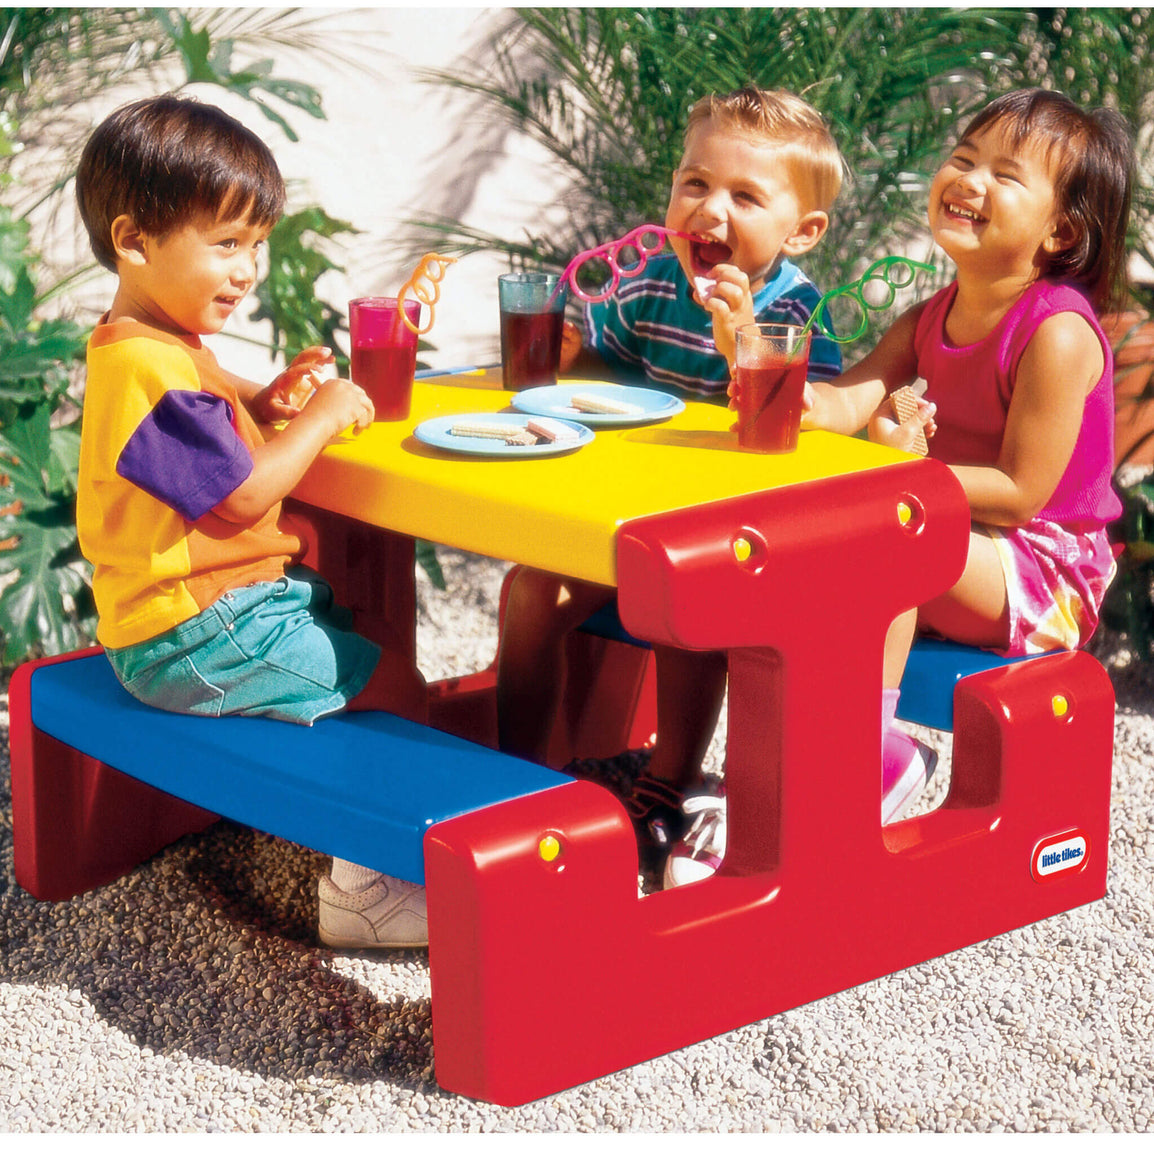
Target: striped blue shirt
[{"x": 652, "y": 327}]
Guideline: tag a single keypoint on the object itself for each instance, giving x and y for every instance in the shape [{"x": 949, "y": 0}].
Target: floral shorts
[{"x": 1055, "y": 582}]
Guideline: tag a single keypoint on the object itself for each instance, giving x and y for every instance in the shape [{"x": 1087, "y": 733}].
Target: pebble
[{"x": 191, "y": 997}]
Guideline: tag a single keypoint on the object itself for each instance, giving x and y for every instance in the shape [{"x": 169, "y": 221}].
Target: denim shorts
[{"x": 280, "y": 649}]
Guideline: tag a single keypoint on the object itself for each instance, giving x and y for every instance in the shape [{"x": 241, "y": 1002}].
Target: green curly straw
[{"x": 878, "y": 271}]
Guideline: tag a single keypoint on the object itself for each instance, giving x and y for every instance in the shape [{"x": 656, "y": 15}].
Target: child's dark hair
[
  {"x": 168, "y": 159},
  {"x": 1093, "y": 182}
]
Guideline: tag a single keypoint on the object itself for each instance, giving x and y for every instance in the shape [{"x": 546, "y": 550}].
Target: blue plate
[
  {"x": 436, "y": 432},
  {"x": 556, "y": 401}
]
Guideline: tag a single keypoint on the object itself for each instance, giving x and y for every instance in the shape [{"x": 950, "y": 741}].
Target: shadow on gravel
[{"x": 208, "y": 950}]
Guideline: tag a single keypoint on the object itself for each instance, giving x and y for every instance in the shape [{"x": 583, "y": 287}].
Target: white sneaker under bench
[{"x": 390, "y": 914}]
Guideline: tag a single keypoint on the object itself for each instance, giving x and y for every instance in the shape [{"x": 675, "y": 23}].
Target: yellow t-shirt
[{"x": 164, "y": 440}]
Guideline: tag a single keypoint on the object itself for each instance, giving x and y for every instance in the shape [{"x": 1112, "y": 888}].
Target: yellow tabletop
[{"x": 557, "y": 513}]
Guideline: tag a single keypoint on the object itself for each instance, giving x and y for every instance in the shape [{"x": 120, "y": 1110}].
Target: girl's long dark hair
[{"x": 1094, "y": 182}]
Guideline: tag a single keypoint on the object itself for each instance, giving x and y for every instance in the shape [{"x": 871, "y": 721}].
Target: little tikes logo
[{"x": 1059, "y": 856}]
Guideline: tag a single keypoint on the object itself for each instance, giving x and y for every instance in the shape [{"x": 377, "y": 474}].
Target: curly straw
[
  {"x": 609, "y": 252},
  {"x": 425, "y": 285},
  {"x": 879, "y": 271}
]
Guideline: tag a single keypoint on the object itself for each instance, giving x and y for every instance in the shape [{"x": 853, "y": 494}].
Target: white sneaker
[
  {"x": 390, "y": 914},
  {"x": 699, "y": 853}
]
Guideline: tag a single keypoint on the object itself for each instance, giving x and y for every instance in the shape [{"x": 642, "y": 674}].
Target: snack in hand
[
  {"x": 495, "y": 430},
  {"x": 599, "y": 403},
  {"x": 705, "y": 286},
  {"x": 551, "y": 430},
  {"x": 904, "y": 402}
]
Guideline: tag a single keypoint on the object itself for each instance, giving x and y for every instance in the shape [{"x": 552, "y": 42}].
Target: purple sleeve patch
[{"x": 186, "y": 453}]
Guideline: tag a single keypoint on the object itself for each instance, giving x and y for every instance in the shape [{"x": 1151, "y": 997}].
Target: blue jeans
[{"x": 280, "y": 649}]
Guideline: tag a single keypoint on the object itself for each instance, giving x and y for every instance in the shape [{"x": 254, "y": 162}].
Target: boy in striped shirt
[
  {"x": 757, "y": 178},
  {"x": 758, "y": 175}
]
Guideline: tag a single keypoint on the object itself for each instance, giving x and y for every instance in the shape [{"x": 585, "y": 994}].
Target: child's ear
[
  {"x": 808, "y": 231},
  {"x": 128, "y": 241},
  {"x": 1065, "y": 235}
]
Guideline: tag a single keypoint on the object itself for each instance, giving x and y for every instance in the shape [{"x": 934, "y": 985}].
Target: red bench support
[{"x": 79, "y": 823}]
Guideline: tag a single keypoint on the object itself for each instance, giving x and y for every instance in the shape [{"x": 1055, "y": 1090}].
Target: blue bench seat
[
  {"x": 362, "y": 786},
  {"x": 933, "y": 669}
]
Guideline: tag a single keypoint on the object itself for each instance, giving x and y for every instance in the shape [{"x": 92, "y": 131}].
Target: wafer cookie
[
  {"x": 496, "y": 430},
  {"x": 599, "y": 403},
  {"x": 705, "y": 286},
  {"x": 904, "y": 402},
  {"x": 551, "y": 430}
]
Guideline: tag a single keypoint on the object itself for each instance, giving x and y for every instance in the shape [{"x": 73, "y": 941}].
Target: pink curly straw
[{"x": 609, "y": 252}]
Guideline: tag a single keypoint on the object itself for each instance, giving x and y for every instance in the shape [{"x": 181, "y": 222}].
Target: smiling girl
[{"x": 1031, "y": 206}]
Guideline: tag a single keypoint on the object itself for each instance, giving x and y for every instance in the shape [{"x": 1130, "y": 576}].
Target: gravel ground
[{"x": 190, "y": 996}]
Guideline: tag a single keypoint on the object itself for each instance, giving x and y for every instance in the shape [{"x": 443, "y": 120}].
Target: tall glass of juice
[
  {"x": 771, "y": 367},
  {"x": 384, "y": 353},
  {"x": 532, "y": 306}
]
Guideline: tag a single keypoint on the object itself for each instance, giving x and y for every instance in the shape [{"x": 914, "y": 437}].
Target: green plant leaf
[
  {"x": 48, "y": 609},
  {"x": 35, "y": 361},
  {"x": 287, "y": 296},
  {"x": 427, "y": 559},
  {"x": 210, "y": 62},
  {"x": 39, "y": 462},
  {"x": 13, "y": 247}
]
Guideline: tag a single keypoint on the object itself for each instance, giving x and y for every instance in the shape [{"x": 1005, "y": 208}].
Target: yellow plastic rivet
[
  {"x": 742, "y": 549},
  {"x": 549, "y": 848},
  {"x": 1059, "y": 705},
  {"x": 904, "y": 513}
]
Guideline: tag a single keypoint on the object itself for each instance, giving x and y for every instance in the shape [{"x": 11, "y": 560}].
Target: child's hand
[
  {"x": 570, "y": 346},
  {"x": 288, "y": 393},
  {"x": 730, "y": 302},
  {"x": 809, "y": 414},
  {"x": 909, "y": 435},
  {"x": 339, "y": 403}
]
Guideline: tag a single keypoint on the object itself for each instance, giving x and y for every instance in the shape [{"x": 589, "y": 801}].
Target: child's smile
[
  {"x": 994, "y": 200},
  {"x": 960, "y": 212},
  {"x": 705, "y": 254}
]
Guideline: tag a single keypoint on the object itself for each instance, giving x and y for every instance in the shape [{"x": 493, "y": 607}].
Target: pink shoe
[{"x": 907, "y": 766}]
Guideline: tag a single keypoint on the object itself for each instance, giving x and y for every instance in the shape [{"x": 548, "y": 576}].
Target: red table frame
[{"x": 546, "y": 973}]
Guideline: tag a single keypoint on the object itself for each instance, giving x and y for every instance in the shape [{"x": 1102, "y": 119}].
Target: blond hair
[{"x": 790, "y": 125}]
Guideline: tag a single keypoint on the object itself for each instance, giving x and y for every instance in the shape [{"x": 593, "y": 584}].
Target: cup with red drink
[
  {"x": 384, "y": 353},
  {"x": 532, "y": 306},
  {"x": 770, "y": 382}
]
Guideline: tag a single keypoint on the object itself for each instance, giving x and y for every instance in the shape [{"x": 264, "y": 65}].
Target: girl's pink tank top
[{"x": 972, "y": 387}]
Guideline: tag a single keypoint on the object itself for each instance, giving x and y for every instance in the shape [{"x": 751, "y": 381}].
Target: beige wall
[{"x": 389, "y": 149}]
